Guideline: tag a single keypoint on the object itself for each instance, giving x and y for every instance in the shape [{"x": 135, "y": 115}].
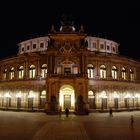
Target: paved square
[{"x": 95, "y": 126}]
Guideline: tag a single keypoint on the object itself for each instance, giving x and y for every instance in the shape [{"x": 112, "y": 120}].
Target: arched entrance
[{"x": 67, "y": 97}]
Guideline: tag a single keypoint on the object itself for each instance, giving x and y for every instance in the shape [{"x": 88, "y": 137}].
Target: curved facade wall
[{"x": 81, "y": 71}]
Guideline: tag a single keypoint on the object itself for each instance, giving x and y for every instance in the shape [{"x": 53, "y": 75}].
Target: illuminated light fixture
[
  {"x": 31, "y": 95},
  {"x": 137, "y": 95},
  {"x": 127, "y": 96},
  {"x": 116, "y": 95},
  {"x": 103, "y": 95},
  {"x": 7, "y": 95},
  {"x": 18, "y": 95}
]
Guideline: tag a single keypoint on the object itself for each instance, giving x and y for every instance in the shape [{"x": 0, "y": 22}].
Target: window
[
  {"x": 108, "y": 47},
  {"x": 41, "y": 45},
  {"x": 43, "y": 70},
  {"x": 21, "y": 72},
  {"x": 102, "y": 71},
  {"x": 131, "y": 75},
  {"x": 94, "y": 45},
  {"x": 43, "y": 99},
  {"x": 114, "y": 72},
  {"x": 90, "y": 71},
  {"x": 28, "y": 47},
  {"x": 5, "y": 74},
  {"x": 22, "y": 49},
  {"x": 101, "y": 46},
  {"x": 123, "y": 73},
  {"x": 34, "y": 46},
  {"x": 12, "y": 73},
  {"x": 113, "y": 49},
  {"x": 32, "y": 71}
]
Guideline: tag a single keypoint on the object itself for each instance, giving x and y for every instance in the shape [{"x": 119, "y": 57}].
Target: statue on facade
[{"x": 67, "y": 20}]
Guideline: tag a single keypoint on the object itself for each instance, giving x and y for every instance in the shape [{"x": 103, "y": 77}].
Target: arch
[
  {"x": 114, "y": 72},
  {"x": 32, "y": 71},
  {"x": 103, "y": 72},
  {"x": 131, "y": 75},
  {"x": 91, "y": 99},
  {"x": 67, "y": 97},
  {"x": 123, "y": 73},
  {"x": 11, "y": 73},
  {"x": 20, "y": 72},
  {"x": 90, "y": 71},
  {"x": 44, "y": 70}
]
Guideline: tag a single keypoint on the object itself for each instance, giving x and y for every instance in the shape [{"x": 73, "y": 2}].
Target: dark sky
[{"x": 114, "y": 20}]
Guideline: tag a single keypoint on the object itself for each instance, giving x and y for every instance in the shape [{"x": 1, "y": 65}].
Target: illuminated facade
[{"x": 69, "y": 69}]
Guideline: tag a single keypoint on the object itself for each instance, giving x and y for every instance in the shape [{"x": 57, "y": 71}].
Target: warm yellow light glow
[
  {"x": 66, "y": 90},
  {"x": 115, "y": 95},
  {"x": 127, "y": 96},
  {"x": 31, "y": 94},
  {"x": 18, "y": 95},
  {"x": 7, "y": 95},
  {"x": 137, "y": 95},
  {"x": 103, "y": 95}
]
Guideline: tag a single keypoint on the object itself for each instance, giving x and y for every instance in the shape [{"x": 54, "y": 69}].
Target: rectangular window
[
  {"x": 94, "y": 45},
  {"x": 22, "y": 49},
  {"x": 108, "y": 47},
  {"x": 28, "y": 47},
  {"x": 41, "y": 45},
  {"x": 101, "y": 46},
  {"x": 34, "y": 46}
]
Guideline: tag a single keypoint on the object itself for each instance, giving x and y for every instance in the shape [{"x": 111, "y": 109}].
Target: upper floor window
[
  {"x": 34, "y": 46},
  {"x": 90, "y": 71},
  {"x": 113, "y": 49},
  {"x": 22, "y": 49},
  {"x": 108, "y": 47},
  {"x": 131, "y": 75},
  {"x": 123, "y": 73},
  {"x": 101, "y": 46},
  {"x": 11, "y": 73},
  {"x": 28, "y": 47},
  {"x": 114, "y": 72},
  {"x": 44, "y": 70},
  {"x": 5, "y": 74},
  {"x": 94, "y": 45},
  {"x": 41, "y": 45},
  {"x": 103, "y": 71},
  {"x": 32, "y": 71},
  {"x": 21, "y": 72}
]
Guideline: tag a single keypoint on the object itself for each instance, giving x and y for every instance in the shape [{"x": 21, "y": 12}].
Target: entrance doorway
[
  {"x": 67, "y": 97},
  {"x": 67, "y": 101}
]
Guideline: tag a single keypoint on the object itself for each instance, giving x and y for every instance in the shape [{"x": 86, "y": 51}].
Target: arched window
[
  {"x": 123, "y": 73},
  {"x": 11, "y": 73},
  {"x": 32, "y": 71},
  {"x": 43, "y": 98},
  {"x": 90, "y": 71},
  {"x": 5, "y": 74},
  {"x": 131, "y": 75},
  {"x": 114, "y": 72},
  {"x": 43, "y": 70},
  {"x": 21, "y": 72},
  {"x": 103, "y": 71}
]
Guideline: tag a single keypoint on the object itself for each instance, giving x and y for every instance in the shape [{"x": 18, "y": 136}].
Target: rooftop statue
[{"x": 67, "y": 20}]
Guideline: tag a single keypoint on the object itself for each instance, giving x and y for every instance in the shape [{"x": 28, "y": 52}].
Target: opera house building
[{"x": 68, "y": 68}]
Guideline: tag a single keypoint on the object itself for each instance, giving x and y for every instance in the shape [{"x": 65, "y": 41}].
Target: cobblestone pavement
[{"x": 95, "y": 126}]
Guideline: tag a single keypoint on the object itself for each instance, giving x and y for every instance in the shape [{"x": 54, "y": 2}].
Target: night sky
[{"x": 114, "y": 20}]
